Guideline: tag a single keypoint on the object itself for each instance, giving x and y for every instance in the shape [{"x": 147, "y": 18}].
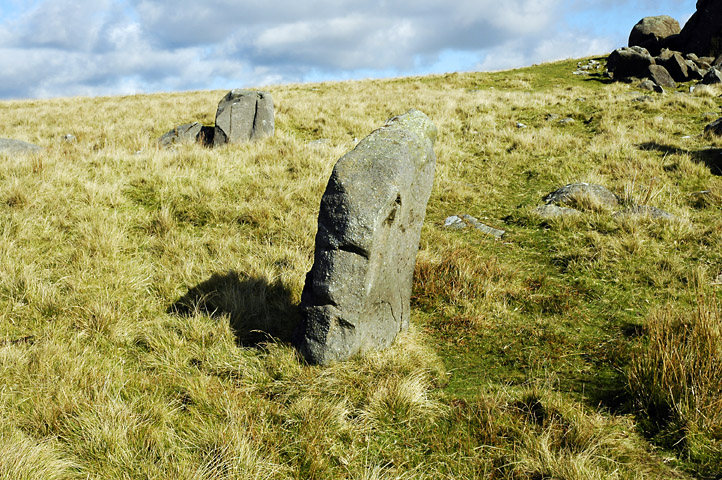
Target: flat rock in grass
[
  {"x": 582, "y": 195},
  {"x": 12, "y": 146},
  {"x": 550, "y": 210},
  {"x": 187, "y": 133},
  {"x": 244, "y": 115},
  {"x": 645, "y": 211},
  {"x": 483, "y": 228},
  {"x": 357, "y": 294},
  {"x": 714, "y": 128},
  {"x": 454, "y": 222}
]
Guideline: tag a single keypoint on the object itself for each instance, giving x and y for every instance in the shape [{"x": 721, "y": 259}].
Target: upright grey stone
[
  {"x": 243, "y": 115},
  {"x": 356, "y": 296}
]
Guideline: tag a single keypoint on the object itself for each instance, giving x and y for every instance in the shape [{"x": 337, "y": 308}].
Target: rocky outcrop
[
  {"x": 357, "y": 294},
  {"x": 652, "y": 32},
  {"x": 243, "y": 115},
  {"x": 702, "y": 34},
  {"x": 629, "y": 62}
]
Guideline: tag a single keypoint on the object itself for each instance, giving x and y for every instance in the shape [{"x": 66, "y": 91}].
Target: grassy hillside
[{"x": 147, "y": 295}]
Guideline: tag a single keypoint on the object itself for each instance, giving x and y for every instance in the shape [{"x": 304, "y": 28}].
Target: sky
[{"x": 66, "y": 48}]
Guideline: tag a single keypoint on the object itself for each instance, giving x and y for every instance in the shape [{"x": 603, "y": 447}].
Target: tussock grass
[{"x": 147, "y": 295}]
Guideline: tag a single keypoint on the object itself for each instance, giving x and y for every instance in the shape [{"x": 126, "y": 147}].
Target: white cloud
[{"x": 71, "y": 47}]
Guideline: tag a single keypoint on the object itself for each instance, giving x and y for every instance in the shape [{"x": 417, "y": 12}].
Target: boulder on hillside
[
  {"x": 702, "y": 34},
  {"x": 675, "y": 65},
  {"x": 11, "y": 146},
  {"x": 650, "y": 32},
  {"x": 661, "y": 76},
  {"x": 357, "y": 294},
  {"x": 243, "y": 115},
  {"x": 628, "y": 62}
]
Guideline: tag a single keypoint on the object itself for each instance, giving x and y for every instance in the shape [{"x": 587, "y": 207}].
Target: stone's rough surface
[
  {"x": 650, "y": 31},
  {"x": 648, "y": 84},
  {"x": 244, "y": 115},
  {"x": 582, "y": 195},
  {"x": 713, "y": 77},
  {"x": 661, "y": 76},
  {"x": 714, "y": 128},
  {"x": 187, "y": 133},
  {"x": 454, "y": 222},
  {"x": 702, "y": 34},
  {"x": 676, "y": 66},
  {"x": 645, "y": 211},
  {"x": 483, "y": 228},
  {"x": 357, "y": 294},
  {"x": 12, "y": 146},
  {"x": 628, "y": 62},
  {"x": 550, "y": 210}
]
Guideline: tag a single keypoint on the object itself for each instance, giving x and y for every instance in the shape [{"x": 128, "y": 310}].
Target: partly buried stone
[
  {"x": 628, "y": 62},
  {"x": 650, "y": 32},
  {"x": 551, "y": 210},
  {"x": 244, "y": 115},
  {"x": 714, "y": 128},
  {"x": 12, "y": 146},
  {"x": 661, "y": 76},
  {"x": 188, "y": 133},
  {"x": 357, "y": 294},
  {"x": 584, "y": 196},
  {"x": 645, "y": 211},
  {"x": 648, "y": 84}
]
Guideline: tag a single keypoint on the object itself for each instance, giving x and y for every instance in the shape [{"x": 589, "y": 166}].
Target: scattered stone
[
  {"x": 566, "y": 121},
  {"x": 628, "y": 62},
  {"x": 583, "y": 195},
  {"x": 645, "y": 211},
  {"x": 713, "y": 77},
  {"x": 320, "y": 141},
  {"x": 483, "y": 228},
  {"x": 520, "y": 125},
  {"x": 357, "y": 294},
  {"x": 12, "y": 146},
  {"x": 243, "y": 115},
  {"x": 714, "y": 128},
  {"x": 551, "y": 210},
  {"x": 659, "y": 75},
  {"x": 454, "y": 222},
  {"x": 648, "y": 84},
  {"x": 187, "y": 133},
  {"x": 550, "y": 117},
  {"x": 70, "y": 138},
  {"x": 643, "y": 98},
  {"x": 650, "y": 32},
  {"x": 694, "y": 72},
  {"x": 702, "y": 34}
]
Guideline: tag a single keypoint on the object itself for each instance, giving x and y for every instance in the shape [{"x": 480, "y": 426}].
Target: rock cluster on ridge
[{"x": 357, "y": 294}]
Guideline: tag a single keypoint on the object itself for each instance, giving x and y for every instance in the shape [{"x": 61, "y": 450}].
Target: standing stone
[
  {"x": 357, "y": 294},
  {"x": 243, "y": 115}
]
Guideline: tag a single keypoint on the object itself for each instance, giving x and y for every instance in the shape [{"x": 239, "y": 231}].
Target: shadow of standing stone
[{"x": 357, "y": 294}]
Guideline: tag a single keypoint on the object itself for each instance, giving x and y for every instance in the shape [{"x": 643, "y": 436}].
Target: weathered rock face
[
  {"x": 628, "y": 62},
  {"x": 356, "y": 296},
  {"x": 243, "y": 115},
  {"x": 702, "y": 34},
  {"x": 650, "y": 32},
  {"x": 661, "y": 76},
  {"x": 12, "y": 146},
  {"x": 675, "y": 65},
  {"x": 712, "y": 77},
  {"x": 188, "y": 133}
]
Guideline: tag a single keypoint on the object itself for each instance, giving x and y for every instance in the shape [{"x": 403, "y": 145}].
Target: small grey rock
[
  {"x": 454, "y": 222},
  {"x": 566, "y": 121},
  {"x": 483, "y": 228},
  {"x": 187, "y": 133},
  {"x": 70, "y": 138},
  {"x": 645, "y": 211},
  {"x": 648, "y": 84}
]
